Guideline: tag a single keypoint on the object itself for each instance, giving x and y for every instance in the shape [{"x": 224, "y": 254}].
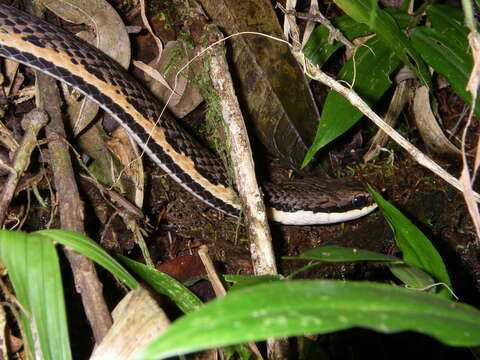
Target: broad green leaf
[
  {"x": 450, "y": 56},
  {"x": 336, "y": 253},
  {"x": 449, "y": 22},
  {"x": 367, "y": 12},
  {"x": 90, "y": 249},
  {"x": 34, "y": 270},
  {"x": 417, "y": 250},
  {"x": 412, "y": 276},
  {"x": 290, "y": 308},
  {"x": 165, "y": 284},
  {"x": 338, "y": 115}
]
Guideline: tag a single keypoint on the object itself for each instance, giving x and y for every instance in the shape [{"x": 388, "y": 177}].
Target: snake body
[{"x": 58, "y": 53}]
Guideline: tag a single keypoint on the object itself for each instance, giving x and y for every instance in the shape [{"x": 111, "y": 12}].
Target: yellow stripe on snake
[{"x": 60, "y": 54}]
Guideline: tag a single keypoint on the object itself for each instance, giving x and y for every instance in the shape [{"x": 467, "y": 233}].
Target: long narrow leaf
[
  {"x": 416, "y": 248},
  {"x": 413, "y": 277},
  {"x": 92, "y": 250},
  {"x": 244, "y": 281},
  {"x": 449, "y": 22},
  {"x": 448, "y": 56},
  {"x": 334, "y": 253},
  {"x": 166, "y": 285},
  {"x": 34, "y": 270},
  {"x": 289, "y": 308}
]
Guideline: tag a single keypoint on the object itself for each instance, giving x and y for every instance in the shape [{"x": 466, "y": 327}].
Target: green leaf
[
  {"x": 290, "y": 308},
  {"x": 449, "y": 22},
  {"x": 448, "y": 53},
  {"x": 165, "y": 284},
  {"x": 334, "y": 253},
  {"x": 92, "y": 250},
  {"x": 34, "y": 271},
  {"x": 417, "y": 250},
  {"x": 369, "y": 72},
  {"x": 244, "y": 281},
  {"x": 412, "y": 276},
  {"x": 367, "y": 12}
]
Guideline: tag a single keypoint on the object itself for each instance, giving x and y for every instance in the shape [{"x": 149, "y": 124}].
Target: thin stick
[
  {"x": 241, "y": 155},
  {"x": 218, "y": 287},
  {"x": 35, "y": 120}
]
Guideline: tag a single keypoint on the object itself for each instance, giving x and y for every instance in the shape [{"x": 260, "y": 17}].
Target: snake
[{"x": 58, "y": 53}]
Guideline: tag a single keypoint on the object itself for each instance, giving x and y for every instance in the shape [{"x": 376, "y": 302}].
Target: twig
[
  {"x": 218, "y": 286},
  {"x": 241, "y": 155},
  {"x": 261, "y": 248},
  {"x": 317, "y": 16},
  {"x": 211, "y": 272},
  {"x": 34, "y": 120}
]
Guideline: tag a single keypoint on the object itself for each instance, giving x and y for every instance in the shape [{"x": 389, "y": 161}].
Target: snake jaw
[{"x": 305, "y": 217}]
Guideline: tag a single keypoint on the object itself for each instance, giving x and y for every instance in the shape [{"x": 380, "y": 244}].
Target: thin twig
[
  {"x": 241, "y": 155},
  {"x": 35, "y": 120},
  {"x": 218, "y": 286},
  {"x": 317, "y": 16}
]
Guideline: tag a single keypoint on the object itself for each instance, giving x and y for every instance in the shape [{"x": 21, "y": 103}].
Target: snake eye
[{"x": 360, "y": 201}]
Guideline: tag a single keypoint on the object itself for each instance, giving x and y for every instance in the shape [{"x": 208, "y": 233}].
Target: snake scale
[{"x": 60, "y": 54}]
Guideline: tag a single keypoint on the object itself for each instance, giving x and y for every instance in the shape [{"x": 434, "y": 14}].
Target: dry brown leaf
[
  {"x": 428, "y": 127},
  {"x": 149, "y": 28},
  {"x": 186, "y": 96},
  {"x": 400, "y": 98},
  {"x": 137, "y": 320},
  {"x": 126, "y": 151}
]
